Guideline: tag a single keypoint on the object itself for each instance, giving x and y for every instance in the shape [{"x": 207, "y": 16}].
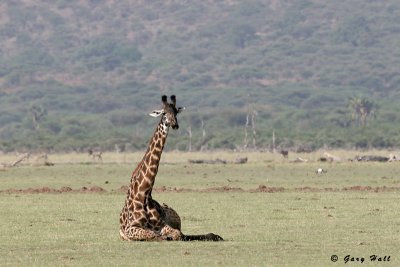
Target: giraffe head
[{"x": 168, "y": 112}]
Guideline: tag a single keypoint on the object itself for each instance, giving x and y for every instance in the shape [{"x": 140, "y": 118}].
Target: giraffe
[{"x": 142, "y": 218}]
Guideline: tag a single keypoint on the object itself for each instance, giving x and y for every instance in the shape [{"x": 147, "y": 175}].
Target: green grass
[{"x": 290, "y": 228}]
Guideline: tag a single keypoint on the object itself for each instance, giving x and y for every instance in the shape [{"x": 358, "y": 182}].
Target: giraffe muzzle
[{"x": 175, "y": 127}]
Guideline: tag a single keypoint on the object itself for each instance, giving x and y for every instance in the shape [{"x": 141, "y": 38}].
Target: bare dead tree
[
  {"x": 203, "y": 129},
  {"x": 273, "y": 141},
  {"x": 203, "y": 135},
  {"x": 38, "y": 114},
  {"x": 245, "y": 142},
  {"x": 253, "y": 127},
  {"x": 189, "y": 130},
  {"x": 250, "y": 121}
]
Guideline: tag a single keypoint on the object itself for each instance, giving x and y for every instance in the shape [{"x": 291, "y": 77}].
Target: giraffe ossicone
[{"x": 142, "y": 218}]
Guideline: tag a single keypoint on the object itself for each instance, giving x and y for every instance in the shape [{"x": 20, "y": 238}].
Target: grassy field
[{"x": 353, "y": 209}]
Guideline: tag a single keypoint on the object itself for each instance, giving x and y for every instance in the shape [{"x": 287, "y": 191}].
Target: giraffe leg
[
  {"x": 171, "y": 233},
  {"x": 171, "y": 217},
  {"x": 135, "y": 233},
  {"x": 173, "y": 220},
  {"x": 207, "y": 237}
]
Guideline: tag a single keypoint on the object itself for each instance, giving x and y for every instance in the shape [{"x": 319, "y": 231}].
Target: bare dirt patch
[
  {"x": 307, "y": 189},
  {"x": 65, "y": 189},
  {"x": 356, "y": 188},
  {"x": 372, "y": 189},
  {"x": 265, "y": 189},
  {"x": 223, "y": 189},
  {"x": 220, "y": 189}
]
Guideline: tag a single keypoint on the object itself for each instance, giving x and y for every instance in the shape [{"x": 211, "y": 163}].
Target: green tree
[{"x": 243, "y": 34}]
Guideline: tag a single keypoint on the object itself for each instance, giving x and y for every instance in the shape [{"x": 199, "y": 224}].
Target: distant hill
[{"x": 80, "y": 74}]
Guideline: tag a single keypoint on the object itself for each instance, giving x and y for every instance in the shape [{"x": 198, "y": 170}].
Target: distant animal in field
[
  {"x": 299, "y": 160},
  {"x": 330, "y": 158},
  {"x": 21, "y": 158},
  {"x": 320, "y": 171},
  {"x": 42, "y": 156},
  {"x": 284, "y": 153},
  {"x": 393, "y": 157},
  {"x": 95, "y": 154},
  {"x": 372, "y": 158}
]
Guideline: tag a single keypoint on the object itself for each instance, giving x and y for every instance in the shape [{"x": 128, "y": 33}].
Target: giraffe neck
[{"x": 145, "y": 173}]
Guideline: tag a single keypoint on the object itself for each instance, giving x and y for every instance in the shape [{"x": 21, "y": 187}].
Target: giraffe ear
[
  {"x": 180, "y": 109},
  {"x": 164, "y": 100},
  {"x": 156, "y": 113}
]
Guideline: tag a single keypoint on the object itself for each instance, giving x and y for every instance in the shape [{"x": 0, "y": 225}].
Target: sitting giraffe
[{"x": 142, "y": 218}]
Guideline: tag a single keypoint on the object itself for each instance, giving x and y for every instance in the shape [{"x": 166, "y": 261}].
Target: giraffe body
[{"x": 142, "y": 218}]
